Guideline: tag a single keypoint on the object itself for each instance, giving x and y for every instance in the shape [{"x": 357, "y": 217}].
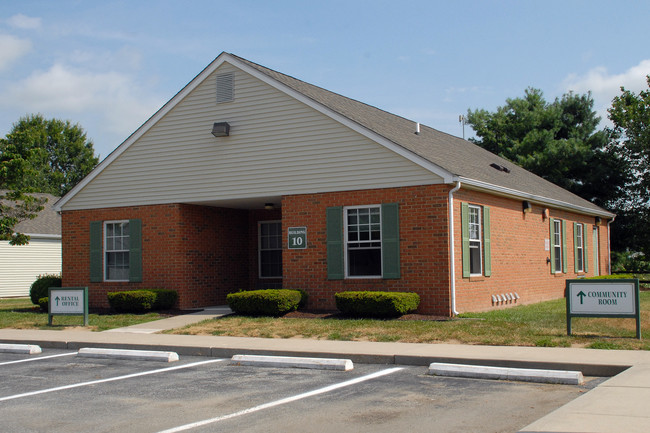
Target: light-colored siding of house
[
  {"x": 277, "y": 146},
  {"x": 21, "y": 265}
]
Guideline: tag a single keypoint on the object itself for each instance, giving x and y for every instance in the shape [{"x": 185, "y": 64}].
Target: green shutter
[
  {"x": 390, "y": 240},
  {"x": 96, "y": 274},
  {"x": 487, "y": 243},
  {"x": 565, "y": 260},
  {"x": 464, "y": 219},
  {"x": 334, "y": 223},
  {"x": 552, "y": 226},
  {"x": 135, "y": 251},
  {"x": 584, "y": 248},
  {"x": 575, "y": 246}
]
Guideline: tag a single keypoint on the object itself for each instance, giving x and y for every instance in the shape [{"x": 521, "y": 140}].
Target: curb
[
  {"x": 140, "y": 355},
  {"x": 293, "y": 362},
  {"x": 502, "y": 373},
  {"x": 29, "y": 349}
]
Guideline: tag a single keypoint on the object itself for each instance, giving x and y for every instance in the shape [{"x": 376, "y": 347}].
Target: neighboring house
[
  {"x": 249, "y": 178},
  {"x": 20, "y": 265}
]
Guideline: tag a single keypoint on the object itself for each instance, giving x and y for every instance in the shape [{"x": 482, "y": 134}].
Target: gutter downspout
[
  {"x": 609, "y": 247},
  {"x": 452, "y": 254}
]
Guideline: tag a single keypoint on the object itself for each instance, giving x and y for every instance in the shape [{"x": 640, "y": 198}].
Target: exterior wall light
[
  {"x": 269, "y": 206},
  {"x": 526, "y": 206},
  {"x": 221, "y": 129},
  {"x": 598, "y": 220}
]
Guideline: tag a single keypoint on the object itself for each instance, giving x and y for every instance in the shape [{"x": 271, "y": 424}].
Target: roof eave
[{"x": 512, "y": 193}]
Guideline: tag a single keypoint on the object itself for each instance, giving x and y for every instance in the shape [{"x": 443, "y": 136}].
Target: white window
[
  {"x": 557, "y": 245},
  {"x": 116, "y": 250},
  {"x": 363, "y": 241},
  {"x": 580, "y": 248},
  {"x": 270, "y": 249},
  {"x": 475, "y": 248}
]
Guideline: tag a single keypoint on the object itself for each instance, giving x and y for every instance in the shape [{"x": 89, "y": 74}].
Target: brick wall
[
  {"x": 202, "y": 252},
  {"x": 423, "y": 245},
  {"x": 519, "y": 255}
]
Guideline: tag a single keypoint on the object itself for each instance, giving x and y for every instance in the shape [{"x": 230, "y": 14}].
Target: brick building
[{"x": 249, "y": 178}]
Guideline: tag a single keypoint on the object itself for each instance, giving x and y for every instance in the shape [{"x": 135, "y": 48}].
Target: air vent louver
[{"x": 225, "y": 87}]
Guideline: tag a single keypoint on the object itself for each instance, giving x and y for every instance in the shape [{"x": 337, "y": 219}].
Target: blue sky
[{"x": 109, "y": 65}]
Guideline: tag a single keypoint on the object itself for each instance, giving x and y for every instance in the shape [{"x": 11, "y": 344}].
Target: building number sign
[{"x": 297, "y": 238}]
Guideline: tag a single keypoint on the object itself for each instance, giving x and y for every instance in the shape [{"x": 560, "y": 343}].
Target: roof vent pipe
[{"x": 417, "y": 127}]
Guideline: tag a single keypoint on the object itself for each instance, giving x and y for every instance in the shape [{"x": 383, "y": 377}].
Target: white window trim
[
  {"x": 479, "y": 240},
  {"x": 105, "y": 250},
  {"x": 580, "y": 250},
  {"x": 557, "y": 246},
  {"x": 259, "y": 248},
  {"x": 345, "y": 244}
]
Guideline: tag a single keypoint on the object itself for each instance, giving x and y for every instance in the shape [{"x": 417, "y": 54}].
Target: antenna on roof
[
  {"x": 417, "y": 127},
  {"x": 462, "y": 119}
]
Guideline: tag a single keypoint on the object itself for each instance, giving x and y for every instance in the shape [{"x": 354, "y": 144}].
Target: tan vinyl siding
[
  {"x": 21, "y": 265},
  {"x": 277, "y": 146}
]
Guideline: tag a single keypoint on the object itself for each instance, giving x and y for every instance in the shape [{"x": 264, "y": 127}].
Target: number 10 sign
[{"x": 297, "y": 238}]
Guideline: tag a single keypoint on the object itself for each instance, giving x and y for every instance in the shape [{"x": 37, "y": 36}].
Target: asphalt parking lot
[{"x": 57, "y": 391}]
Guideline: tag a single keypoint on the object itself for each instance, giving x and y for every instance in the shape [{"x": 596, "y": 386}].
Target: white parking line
[
  {"x": 284, "y": 400},
  {"x": 38, "y": 359},
  {"x": 110, "y": 379}
]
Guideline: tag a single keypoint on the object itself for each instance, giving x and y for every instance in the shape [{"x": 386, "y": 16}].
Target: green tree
[
  {"x": 40, "y": 155},
  {"x": 630, "y": 113},
  {"x": 558, "y": 141}
]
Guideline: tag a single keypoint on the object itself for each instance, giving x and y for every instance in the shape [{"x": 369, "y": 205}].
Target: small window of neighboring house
[
  {"x": 116, "y": 250},
  {"x": 558, "y": 246},
  {"x": 363, "y": 241},
  {"x": 476, "y": 240},
  {"x": 270, "y": 249}
]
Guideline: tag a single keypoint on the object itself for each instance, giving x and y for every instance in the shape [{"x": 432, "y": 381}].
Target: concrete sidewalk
[
  {"x": 619, "y": 404},
  {"x": 175, "y": 322}
]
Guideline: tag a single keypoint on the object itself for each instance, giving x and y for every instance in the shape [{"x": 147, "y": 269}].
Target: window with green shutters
[
  {"x": 580, "y": 247},
  {"x": 558, "y": 246},
  {"x": 116, "y": 251},
  {"x": 476, "y": 240},
  {"x": 363, "y": 241}
]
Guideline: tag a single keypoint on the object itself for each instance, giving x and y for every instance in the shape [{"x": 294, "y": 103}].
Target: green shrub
[
  {"x": 612, "y": 277},
  {"x": 39, "y": 287},
  {"x": 165, "y": 299},
  {"x": 133, "y": 301},
  {"x": 377, "y": 304},
  {"x": 44, "y": 303},
  {"x": 273, "y": 302},
  {"x": 304, "y": 297}
]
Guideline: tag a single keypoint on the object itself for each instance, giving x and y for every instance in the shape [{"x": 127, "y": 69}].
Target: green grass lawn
[
  {"x": 542, "y": 324},
  {"x": 20, "y": 313}
]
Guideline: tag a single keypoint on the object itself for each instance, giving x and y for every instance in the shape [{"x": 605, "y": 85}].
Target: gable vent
[{"x": 225, "y": 87}]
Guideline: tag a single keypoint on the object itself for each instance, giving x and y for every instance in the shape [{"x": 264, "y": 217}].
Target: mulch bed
[{"x": 337, "y": 315}]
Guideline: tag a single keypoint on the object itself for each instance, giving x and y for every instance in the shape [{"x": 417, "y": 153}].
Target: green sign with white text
[{"x": 297, "y": 238}]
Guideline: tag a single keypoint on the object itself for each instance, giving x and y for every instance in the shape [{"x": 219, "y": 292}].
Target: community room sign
[{"x": 603, "y": 298}]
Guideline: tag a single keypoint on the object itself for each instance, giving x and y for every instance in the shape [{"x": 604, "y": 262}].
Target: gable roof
[
  {"x": 47, "y": 222},
  {"x": 450, "y": 157}
]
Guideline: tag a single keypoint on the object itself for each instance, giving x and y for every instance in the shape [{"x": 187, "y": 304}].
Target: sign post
[
  {"x": 297, "y": 238},
  {"x": 603, "y": 298},
  {"x": 68, "y": 301}
]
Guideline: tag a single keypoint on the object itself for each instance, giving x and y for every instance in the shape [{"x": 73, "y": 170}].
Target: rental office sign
[
  {"x": 68, "y": 301},
  {"x": 603, "y": 298}
]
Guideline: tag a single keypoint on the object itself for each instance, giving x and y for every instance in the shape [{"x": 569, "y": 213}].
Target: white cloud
[
  {"x": 21, "y": 21},
  {"x": 12, "y": 49},
  {"x": 605, "y": 86},
  {"x": 112, "y": 99}
]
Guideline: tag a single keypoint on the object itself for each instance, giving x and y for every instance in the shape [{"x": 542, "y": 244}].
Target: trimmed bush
[
  {"x": 39, "y": 287},
  {"x": 133, "y": 301},
  {"x": 612, "y": 277},
  {"x": 165, "y": 299},
  {"x": 377, "y": 304},
  {"x": 304, "y": 297},
  {"x": 272, "y": 302}
]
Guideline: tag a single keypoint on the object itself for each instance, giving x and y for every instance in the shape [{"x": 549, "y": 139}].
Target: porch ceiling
[{"x": 243, "y": 203}]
